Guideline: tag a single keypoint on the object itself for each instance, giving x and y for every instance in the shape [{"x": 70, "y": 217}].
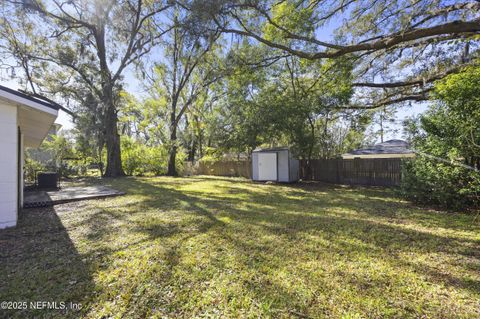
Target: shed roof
[
  {"x": 388, "y": 147},
  {"x": 272, "y": 149}
]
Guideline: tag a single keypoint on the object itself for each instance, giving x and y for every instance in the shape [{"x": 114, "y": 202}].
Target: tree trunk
[
  {"x": 381, "y": 128},
  {"x": 112, "y": 141},
  {"x": 200, "y": 145},
  {"x": 192, "y": 145},
  {"x": 310, "y": 147},
  {"x": 172, "y": 170},
  {"x": 112, "y": 138},
  {"x": 172, "y": 156},
  {"x": 192, "y": 151}
]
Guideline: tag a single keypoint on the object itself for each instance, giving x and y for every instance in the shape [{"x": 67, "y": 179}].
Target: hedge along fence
[{"x": 220, "y": 168}]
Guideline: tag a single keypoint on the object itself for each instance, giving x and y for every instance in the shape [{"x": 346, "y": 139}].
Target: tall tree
[
  {"x": 66, "y": 45},
  {"x": 384, "y": 117},
  {"x": 187, "y": 70}
]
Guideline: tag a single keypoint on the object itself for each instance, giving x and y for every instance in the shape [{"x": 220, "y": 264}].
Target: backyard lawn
[{"x": 227, "y": 247}]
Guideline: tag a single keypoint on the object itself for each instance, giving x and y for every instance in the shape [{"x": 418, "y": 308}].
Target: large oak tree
[{"x": 66, "y": 46}]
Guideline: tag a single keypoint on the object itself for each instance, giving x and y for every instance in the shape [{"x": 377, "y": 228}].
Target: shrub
[
  {"x": 155, "y": 160},
  {"x": 31, "y": 167},
  {"x": 449, "y": 133},
  {"x": 139, "y": 159},
  {"x": 211, "y": 155},
  {"x": 132, "y": 155},
  {"x": 428, "y": 180}
]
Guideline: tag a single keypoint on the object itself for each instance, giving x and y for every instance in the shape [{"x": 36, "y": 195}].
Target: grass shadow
[{"x": 41, "y": 263}]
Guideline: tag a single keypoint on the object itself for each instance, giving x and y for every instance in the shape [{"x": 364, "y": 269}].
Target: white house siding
[
  {"x": 21, "y": 168},
  {"x": 8, "y": 165}
]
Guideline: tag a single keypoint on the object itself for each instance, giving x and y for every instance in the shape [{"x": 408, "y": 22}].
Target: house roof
[
  {"x": 35, "y": 114},
  {"x": 388, "y": 147},
  {"x": 36, "y": 99}
]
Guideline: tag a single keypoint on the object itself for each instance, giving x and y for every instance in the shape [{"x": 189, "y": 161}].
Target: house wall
[
  {"x": 21, "y": 168},
  {"x": 8, "y": 165}
]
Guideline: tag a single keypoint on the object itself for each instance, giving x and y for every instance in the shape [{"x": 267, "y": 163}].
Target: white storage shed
[{"x": 274, "y": 164}]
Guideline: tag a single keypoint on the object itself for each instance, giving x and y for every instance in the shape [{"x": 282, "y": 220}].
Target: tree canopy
[
  {"x": 79, "y": 50},
  {"x": 222, "y": 76},
  {"x": 399, "y": 47}
]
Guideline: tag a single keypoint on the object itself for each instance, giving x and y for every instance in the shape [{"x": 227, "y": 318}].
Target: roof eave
[{"x": 21, "y": 98}]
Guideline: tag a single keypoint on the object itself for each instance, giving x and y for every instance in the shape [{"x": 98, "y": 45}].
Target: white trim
[
  {"x": 8, "y": 224},
  {"x": 18, "y": 99}
]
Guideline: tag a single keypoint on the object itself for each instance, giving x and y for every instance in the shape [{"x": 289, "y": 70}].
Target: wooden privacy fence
[
  {"x": 224, "y": 168},
  {"x": 375, "y": 171}
]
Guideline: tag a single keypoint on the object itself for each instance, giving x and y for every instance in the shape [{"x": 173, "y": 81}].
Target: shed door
[{"x": 267, "y": 166}]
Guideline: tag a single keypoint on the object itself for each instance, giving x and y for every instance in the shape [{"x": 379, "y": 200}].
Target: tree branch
[
  {"x": 377, "y": 43},
  {"x": 415, "y": 82}
]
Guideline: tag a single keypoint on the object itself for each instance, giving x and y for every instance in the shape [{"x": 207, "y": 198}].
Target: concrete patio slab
[{"x": 39, "y": 198}]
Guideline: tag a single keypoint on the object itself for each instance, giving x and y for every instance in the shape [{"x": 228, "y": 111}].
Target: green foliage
[
  {"x": 145, "y": 120},
  {"x": 140, "y": 159},
  {"x": 31, "y": 167},
  {"x": 132, "y": 156},
  {"x": 450, "y": 135},
  {"x": 211, "y": 155},
  {"x": 55, "y": 154},
  {"x": 294, "y": 102},
  {"x": 291, "y": 16},
  {"x": 61, "y": 147},
  {"x": 427, "y": 180},
  {"x": 63, "y": 150}
]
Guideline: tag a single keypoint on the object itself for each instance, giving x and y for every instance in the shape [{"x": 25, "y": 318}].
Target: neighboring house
[
  {"x": 388, "y": 149},
  {"x": 24, "y": 122}
]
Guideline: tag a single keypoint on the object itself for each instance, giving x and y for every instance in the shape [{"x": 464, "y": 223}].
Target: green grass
[{"x": 225, "y": 247}]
